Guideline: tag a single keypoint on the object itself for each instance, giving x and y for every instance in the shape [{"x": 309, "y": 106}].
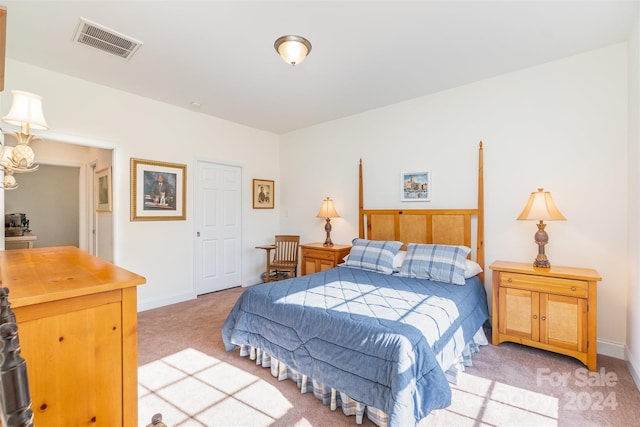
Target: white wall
[
  {"x": 143, "y": 128},
  {"x": 561, "y": 126},
  {"x": 632, "y": 353}
]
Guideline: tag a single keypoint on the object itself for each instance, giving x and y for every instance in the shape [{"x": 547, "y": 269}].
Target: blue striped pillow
[
  {"x": 376, "y": 255},
  {"x": 443, "y": 263}
]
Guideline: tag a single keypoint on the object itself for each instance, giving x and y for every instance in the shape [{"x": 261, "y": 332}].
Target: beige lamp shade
[
  {"x": 26, "y": 111},
  {"x": 540, "y": 207},
  {"x": 292, "y": 49},
  {"x": 327, "y": 210}
]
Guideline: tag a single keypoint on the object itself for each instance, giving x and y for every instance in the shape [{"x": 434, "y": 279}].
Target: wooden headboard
[{"x": 436, "y": 226}]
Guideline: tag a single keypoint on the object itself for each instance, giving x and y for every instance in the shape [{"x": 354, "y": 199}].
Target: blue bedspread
[{"x": 382, "y": 339}]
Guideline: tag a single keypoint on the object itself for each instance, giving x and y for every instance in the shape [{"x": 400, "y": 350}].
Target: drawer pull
[
  {"x": 573, "y": 288},
  {"x": 544, "y": 317},
  {"x": 535, "y": 316},
  {"x": 509, "y": 280}
]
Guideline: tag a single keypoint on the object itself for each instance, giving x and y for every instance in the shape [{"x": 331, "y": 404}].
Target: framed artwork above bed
[{"x": 415, "y": 187}]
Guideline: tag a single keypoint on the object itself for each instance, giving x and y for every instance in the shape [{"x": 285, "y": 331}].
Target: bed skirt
[{"x": 337, "y": 399}]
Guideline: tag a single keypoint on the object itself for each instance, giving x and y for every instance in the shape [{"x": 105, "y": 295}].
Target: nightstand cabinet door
[
  {"x": 563, "y": 322},
  {"x": 549, "y": 308},
  {"x": 519, "y": 313},
  {"x": 315, "y": 265}
]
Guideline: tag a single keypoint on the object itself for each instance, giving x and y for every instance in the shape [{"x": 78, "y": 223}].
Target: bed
[{"x": 383, "y": 334}]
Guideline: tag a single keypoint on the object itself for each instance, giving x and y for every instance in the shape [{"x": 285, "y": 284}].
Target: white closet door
[{"x": 218, "y": 217}]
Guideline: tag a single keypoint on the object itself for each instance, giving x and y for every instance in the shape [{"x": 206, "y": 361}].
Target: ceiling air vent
[{"x": 105, "y": 39}]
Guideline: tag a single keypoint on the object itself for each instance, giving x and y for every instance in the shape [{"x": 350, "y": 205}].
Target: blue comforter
[{"x": 384, "y": 340}]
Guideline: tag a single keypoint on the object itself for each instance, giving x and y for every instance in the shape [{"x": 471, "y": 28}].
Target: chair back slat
[{"x": 286, "y": 248}]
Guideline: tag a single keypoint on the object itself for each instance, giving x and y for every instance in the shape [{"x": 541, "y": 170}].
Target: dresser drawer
[
  {"x": 316, "y": 254},
  {"x": 552, "y": 285}
]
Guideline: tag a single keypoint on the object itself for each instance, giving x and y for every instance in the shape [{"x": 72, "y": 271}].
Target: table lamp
[
  {"x": 328, "y": 211},
  {"x": 540, "y": 207}
]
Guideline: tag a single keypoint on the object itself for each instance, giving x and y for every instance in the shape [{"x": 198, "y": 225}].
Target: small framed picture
[
  {"x": 102, "y": 190},
  {"x": 415, "y": 187},
  {"x": 263, "y": 194},
  {"x": 158, "y": 191}
]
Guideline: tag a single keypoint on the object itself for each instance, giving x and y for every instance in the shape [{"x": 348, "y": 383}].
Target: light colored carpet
[{"x": 185, "y": 374}]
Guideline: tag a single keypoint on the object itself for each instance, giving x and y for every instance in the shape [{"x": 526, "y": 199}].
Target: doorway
[
  {"x": 49, "y": 200},
  {"x": 218, "y": 222},
  {"x": 57, "y": 151}
]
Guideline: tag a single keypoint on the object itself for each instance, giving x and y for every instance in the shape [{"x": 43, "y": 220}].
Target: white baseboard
[
  {"x": 634, "y": 368},
  {"x": 611, "y": 349},
  {"x": 161, "y": 302}
]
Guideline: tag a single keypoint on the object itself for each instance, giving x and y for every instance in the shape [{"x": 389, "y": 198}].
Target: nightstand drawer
[
  {"x": 312, "y": 253},
  {"x": 555, "y": 285}
]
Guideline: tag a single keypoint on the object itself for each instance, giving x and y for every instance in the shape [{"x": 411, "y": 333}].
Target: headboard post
[
  {"x": 480, "y": 242},
  {"x": 361, "y": 201}
]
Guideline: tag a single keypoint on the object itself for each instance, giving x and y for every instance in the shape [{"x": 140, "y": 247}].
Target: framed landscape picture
[
  {"x": 158, "y": 191},
  {"x": 263, "y": 194},
  {"x": 415, "y": 187}
]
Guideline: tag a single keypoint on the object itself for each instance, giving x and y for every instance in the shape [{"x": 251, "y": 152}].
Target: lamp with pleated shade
[
  {"x": 327, "y": 211},
  {"x": 540, "y": 207}
]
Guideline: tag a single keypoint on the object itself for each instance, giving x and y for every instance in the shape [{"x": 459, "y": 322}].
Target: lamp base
[
  {"x": 541, "y": 238},
  {"x": 327, "y": 228},
  {"x": 541, "y": 263}
]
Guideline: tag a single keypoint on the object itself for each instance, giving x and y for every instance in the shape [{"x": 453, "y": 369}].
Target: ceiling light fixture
[
  {"x": 292, "y": 49},
  {"x": 25, "y": 112}
]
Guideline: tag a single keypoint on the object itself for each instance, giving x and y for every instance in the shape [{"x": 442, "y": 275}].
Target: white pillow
[
  {"x": 398, "y": 259},
  {"x": 472, "y": 269}
]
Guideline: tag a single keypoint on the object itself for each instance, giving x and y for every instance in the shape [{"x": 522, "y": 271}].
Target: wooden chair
[{"x": 285, "y": 257}]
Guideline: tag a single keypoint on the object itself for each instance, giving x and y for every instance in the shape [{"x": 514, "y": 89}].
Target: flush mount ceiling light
[{"x": 292, "y": 49}]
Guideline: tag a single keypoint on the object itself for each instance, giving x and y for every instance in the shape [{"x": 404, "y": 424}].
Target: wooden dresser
[
  {"x": 549, "y": 308},
  {"x": 316, "y": 257},
  {"x": 77, "y": 320}
]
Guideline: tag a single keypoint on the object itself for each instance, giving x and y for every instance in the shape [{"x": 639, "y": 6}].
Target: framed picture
[
  {"x": 102, "y": 189},
  {"x": 415, "y": 187},
  {"x": 263, "y": 194},
  {"x": 158, "y": 191}
]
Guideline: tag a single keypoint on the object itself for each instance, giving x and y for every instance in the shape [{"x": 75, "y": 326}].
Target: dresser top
[
  {"x": 319, "y": 245},
  {"x": 553, "y": 271},
  {"x": 41, "y": 275}
]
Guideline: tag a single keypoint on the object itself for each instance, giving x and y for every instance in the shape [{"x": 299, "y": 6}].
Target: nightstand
[
  {"x": 549, "y": 308},
  {"x": 316, "y": 257}
]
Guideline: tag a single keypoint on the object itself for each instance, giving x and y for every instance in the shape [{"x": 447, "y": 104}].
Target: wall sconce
[
  {"x": 541, "y": 207},
  {"x": 292, "y": 49},
  {"x": 25, "y": 112},
  {"x": 327, "y": 211}
]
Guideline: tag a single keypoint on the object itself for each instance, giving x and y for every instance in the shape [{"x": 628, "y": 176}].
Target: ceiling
[{"x": 365, "y": 55}]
